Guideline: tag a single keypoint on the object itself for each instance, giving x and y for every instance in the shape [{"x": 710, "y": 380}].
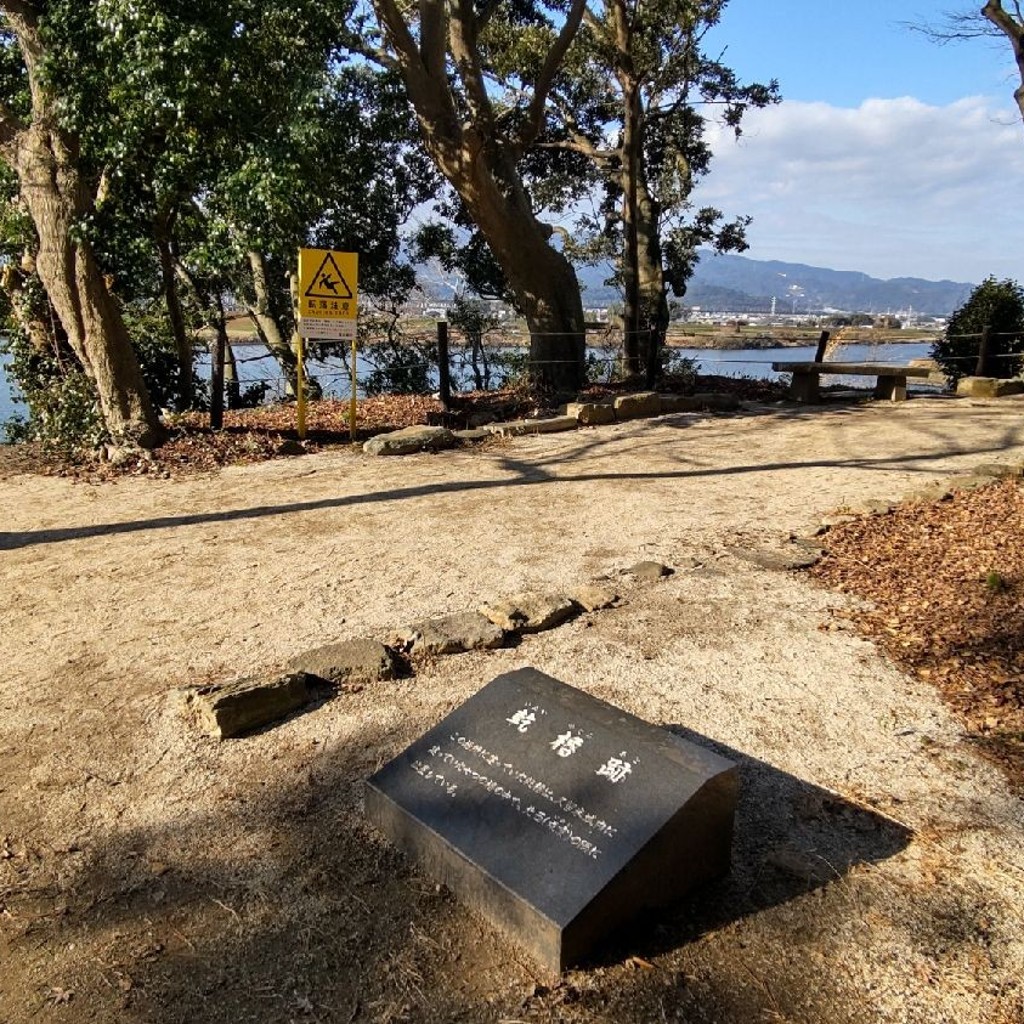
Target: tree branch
[
  {"x": 372, "y": 53},
  {"x": 20, "y": 8},
  {"x": 401, "y": 38},
  {"x": 1013, "y": 29},
  {"x": 432, "y": 36},
  {"x": 546, "y": 78},
  {"x": 583, "y": 147},
  {"x": 466, "y": 52}
]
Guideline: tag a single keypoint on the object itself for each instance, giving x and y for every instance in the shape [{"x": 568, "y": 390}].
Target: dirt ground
[{"x": 150, "y": 874}]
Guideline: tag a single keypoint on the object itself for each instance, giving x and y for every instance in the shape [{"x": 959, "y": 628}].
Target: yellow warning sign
[{"x": 328, "y": 290}]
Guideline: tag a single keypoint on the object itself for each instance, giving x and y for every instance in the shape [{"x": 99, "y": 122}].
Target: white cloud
[{"x": 895, "y": 188}]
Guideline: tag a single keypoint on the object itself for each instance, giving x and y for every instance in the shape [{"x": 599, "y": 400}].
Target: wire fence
[{"x": 493, "y": 360}]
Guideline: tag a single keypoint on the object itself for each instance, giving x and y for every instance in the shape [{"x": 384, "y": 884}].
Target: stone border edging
[
  {"x": 637, "y": 405},
  {"x": 239, "y": 706}
]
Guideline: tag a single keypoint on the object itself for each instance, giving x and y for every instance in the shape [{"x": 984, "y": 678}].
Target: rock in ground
[
  {"x": 591, "y": 414},
  {"x": 410, "y": 440},
  {"x": 648, "y": 570},
  {"x": 450, "y": 634},
  {"x": 242, "y": 705},
  {"x": 551, "y": 425},
  {"x": 350, "y": 661},
  {"x": 530, "y": 613},
  {"x": 632, "y": 407},
  {"x": 592, "y": 597},
  {"x": 988, "y": 387}
]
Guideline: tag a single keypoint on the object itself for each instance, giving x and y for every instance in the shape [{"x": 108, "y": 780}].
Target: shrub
[
  {"x": 998, "y": 305},
  {"x": 63, "y": 407}
]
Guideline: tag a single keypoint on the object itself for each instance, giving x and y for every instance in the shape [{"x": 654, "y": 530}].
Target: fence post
[
  {"x": 819, "y": 354},
  {"x": 444, "y": 372},
  {"x": 217, "y": 378},
  {"x": 981, "y": 370}
]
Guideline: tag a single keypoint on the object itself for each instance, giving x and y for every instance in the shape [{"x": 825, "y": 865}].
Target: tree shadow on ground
[{"x": 524, "y": 472}]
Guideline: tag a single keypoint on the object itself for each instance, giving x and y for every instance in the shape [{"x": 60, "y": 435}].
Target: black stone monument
[{"x": 555, "y": 815}]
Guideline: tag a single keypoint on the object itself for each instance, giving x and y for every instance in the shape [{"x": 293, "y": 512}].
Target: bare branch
[
  {"x": 372, "y": 53},
  {"x": 583, "y": 147}
]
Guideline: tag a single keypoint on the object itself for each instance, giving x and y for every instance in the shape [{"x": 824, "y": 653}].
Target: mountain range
[{"x": 730, "y": 283}]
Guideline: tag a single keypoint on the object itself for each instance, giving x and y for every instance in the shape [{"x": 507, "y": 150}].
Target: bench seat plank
[
  {"x": 854, "y": 369},
  {"x": 891, "y": 381}
]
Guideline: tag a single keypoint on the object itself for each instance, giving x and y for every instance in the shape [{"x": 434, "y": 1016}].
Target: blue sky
[{"x": 890, "y": 154}]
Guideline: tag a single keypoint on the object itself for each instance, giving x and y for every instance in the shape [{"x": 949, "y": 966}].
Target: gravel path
[{"x": 150, "y": 874}]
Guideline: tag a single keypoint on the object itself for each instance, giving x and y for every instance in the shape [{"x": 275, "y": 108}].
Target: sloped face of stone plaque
[{"x": 555, "y": 815}]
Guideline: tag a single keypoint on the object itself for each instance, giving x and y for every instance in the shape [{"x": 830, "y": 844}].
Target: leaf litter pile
[
  {"x": 269, "y": 431},
  {"x": 944, "y": 586}
]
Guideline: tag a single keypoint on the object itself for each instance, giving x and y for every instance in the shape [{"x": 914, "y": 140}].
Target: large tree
[
  {"x": 230, "y": 133},
  {"x": 60, "y": 198},
  {"x": 636, "y": 99},
  {"x": 478, "y": 135}
]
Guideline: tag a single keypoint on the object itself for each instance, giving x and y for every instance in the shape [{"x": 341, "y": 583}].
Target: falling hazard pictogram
[{"x": 328, "y": 282}]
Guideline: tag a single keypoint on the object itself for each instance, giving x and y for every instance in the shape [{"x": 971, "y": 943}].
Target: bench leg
[
  {"x": 804, "y": 387},
  {"x": 892, "y": 388}
]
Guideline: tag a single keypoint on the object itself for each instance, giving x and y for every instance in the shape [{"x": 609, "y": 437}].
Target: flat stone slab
[
  {"x": 410, "y": 440},
  {"x": 591, "y": 414},
  {"x": 472, "y": 434},
  {"x": 555, "y": 815},
  {"x": 451, "y": 634},
  {"x": 637, "y": 406},
  {"x": 592, "y": 597},
  {"x": 516, "y": 428},
  {"x": 529, "y": 613},
  {"x": 347, "y": 662},
  {"x": 649, "y": 570},
  {"x": 988, "y": 387},
  {"x": 242, "y": 705}
]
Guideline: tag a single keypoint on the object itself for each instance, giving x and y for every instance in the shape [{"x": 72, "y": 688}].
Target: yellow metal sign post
[
  {"x": 327, "y": 310},
  {"x": 300, "y": 387},
  {"x": 352, "y": 399}
]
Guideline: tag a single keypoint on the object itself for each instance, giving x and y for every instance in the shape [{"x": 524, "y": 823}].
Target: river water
[{"x": 332, "y": 373}]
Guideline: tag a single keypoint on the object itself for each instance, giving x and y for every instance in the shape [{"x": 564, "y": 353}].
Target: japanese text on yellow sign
[{"x": 328, "y": 283}]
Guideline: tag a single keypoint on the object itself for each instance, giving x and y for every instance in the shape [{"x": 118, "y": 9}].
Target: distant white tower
[{"x": 773, "y": 305}]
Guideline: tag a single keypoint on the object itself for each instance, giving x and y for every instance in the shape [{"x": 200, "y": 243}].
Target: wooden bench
[{"x": 891, "y": 381}]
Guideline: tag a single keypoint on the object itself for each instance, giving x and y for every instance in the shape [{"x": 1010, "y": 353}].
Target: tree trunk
[
  {"x": 45, "y": 159},
  {"x": 632, "y": 330},
  {"x": 232, "y": 382},
  {"x": 541, "y": 278},
  {"x": 1013, "y": 29},
  {"x": 267, "y": 324},
  {"x": 68, "y": 270},
  {"x": 653, "y": 300},
  {"x": 176, "y": 316},
  {"x": 478, "y": 156}
]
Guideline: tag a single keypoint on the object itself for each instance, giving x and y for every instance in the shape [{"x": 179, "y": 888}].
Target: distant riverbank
[
  {"x": 749, "y": 360},
  {"x": 756, "y": 338}
]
